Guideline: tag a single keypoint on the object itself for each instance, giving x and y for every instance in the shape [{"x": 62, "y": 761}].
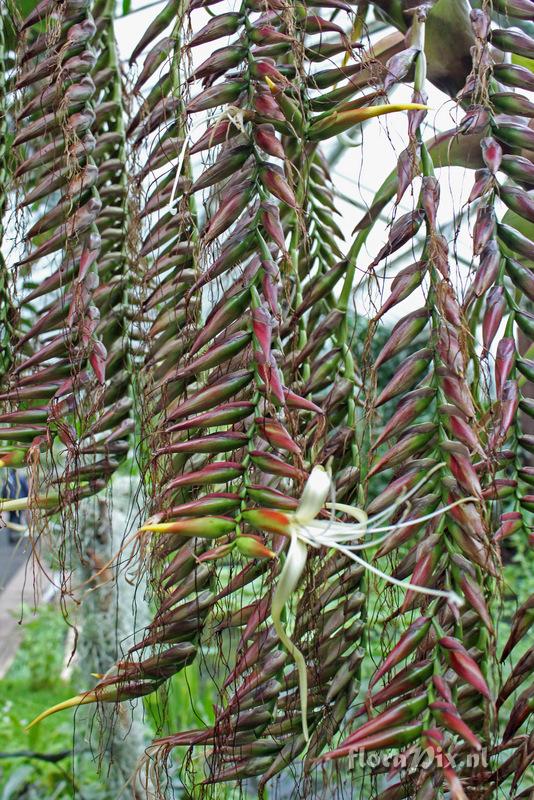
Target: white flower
[
  {"x": 341, "y": 536},
  {"x": 305, "y": 530}
]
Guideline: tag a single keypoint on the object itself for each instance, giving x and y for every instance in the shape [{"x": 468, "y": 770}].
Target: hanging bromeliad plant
[
  {"x": 327, "y": 508},
  {"x": 65, "y": 396}
]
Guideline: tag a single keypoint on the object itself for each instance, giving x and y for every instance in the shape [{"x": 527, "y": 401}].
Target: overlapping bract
[{"x": 66, "y": 394}]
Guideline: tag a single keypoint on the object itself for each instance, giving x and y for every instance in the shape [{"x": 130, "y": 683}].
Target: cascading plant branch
[{"x": 304, "y": 530}]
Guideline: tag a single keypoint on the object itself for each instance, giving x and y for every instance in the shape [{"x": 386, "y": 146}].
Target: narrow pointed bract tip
[{"x": 72, "y": 702}]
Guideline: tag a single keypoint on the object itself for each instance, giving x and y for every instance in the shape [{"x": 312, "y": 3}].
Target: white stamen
[
  {"x": 349, "y": 533},
  {"x": 367, "y": 523},
  {"x": 404, "y": 497},
  {"x": 452, "y": 597}
]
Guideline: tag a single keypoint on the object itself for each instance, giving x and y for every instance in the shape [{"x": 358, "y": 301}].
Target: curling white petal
[
  {"x": 287, "y": 583},
  {"x": 316, "y": 490},
  {"x": 352, "y": 511}
]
